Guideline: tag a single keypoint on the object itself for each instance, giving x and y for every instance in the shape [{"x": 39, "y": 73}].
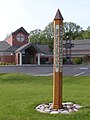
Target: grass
[{"x": 20, "y": 94}]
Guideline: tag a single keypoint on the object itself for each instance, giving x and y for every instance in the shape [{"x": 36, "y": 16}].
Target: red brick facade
[
  {"x": 14, "y": 42},
  {"x": 9, "y": 56},
  {"x": 7, "y": 59}
]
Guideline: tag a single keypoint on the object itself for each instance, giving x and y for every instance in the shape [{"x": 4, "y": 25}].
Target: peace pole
[{"x": 58, "y": 60}]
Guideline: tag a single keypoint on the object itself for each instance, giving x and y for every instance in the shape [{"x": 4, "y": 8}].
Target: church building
[{"x": 17, "y": 49}]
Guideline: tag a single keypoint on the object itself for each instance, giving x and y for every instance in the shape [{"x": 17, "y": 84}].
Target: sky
[{"x": 36, "y": 14}]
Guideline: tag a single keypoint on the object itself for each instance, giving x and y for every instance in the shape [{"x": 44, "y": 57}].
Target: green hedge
[
  {"x": 77, "y": 61},
  {"x": 5, "y": 63}
]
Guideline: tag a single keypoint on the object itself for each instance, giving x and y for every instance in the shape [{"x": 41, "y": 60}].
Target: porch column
[
  {"x": 38, "y": 58},
  {"x": 20, "y": 58}
]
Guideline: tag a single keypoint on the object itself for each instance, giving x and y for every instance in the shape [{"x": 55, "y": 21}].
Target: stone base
[{"x": 68, "y": 108}]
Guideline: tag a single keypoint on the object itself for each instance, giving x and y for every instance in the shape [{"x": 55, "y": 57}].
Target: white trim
[
  {"x": 38, "y": 58},
  {"x": 20, "y": 58}
]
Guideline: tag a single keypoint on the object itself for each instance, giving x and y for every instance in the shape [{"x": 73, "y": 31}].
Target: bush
[
  {"x": 78, "y": 61},
  {"x": 64, "y": 60},
  {"x": 5, "y": 63}
]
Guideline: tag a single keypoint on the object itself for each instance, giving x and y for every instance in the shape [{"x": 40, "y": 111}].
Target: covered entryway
[
  {"x": 29, "y": 56},
  {"x": 26, "y": 54}
]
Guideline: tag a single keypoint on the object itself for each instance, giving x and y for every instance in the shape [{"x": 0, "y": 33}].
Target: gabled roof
[
  {"x": 21, "y": 29},
  {"x": 39, "y": 48},
  {"x": 24, "y": 47},
  {"x": 11, "y": 49},
  {"x": 18, "y": 30},
  {"x": 44, "y": 49},
  {"x": 6, "y": 47}
]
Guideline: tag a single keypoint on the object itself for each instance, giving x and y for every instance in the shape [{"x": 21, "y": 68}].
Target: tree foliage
[
  {"x": 34, "y": 36},
  {"x": 43, "y": 37},
  {"x": 72, "y": 31},
  {"x": 86, "y": 34}
]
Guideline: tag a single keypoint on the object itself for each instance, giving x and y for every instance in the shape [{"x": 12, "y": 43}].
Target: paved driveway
[
  {"x": 76, "y": 70},
  {"x": 32, "y": 70},
  {"x": 42, "y": 70}
]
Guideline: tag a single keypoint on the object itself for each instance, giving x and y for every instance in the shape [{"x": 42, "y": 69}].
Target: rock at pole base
[{"x": 68, "y": 108}]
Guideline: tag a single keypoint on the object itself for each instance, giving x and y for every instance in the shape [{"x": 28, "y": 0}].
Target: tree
[
  {"x": 34, "y": 36},
  {"x": 71, "y": 30},
  {"x": 88, "y": 28},
  {"x": 86, "y": 34},
  {"x": 43, "y": 37},
  {"x": 48, "y": 35}
]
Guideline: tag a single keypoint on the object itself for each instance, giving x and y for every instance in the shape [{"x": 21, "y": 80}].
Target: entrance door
[
  {"x": 28, "y": 58},
  {"x": 23, "y": 59},
  {"x": 31, "y": 58}
]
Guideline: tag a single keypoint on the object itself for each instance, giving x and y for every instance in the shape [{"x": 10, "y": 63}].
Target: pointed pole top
[{"x": 58, "y": 15}]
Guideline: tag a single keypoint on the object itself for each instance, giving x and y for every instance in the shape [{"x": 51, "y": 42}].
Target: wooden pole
[{"x": 58, "y": 61}]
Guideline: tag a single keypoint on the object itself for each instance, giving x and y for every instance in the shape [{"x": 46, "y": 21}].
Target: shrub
[
  {"x": 5, "y": 63},
  {"x": 78, "y": 61}
]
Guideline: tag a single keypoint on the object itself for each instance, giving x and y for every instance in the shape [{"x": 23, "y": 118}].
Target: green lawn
[{"x": 20, "y": 94}]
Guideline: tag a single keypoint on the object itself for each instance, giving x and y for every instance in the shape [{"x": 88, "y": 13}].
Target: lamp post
[
  {"x": 58, "y": 61},
  {"x": 68, "y": 46}
]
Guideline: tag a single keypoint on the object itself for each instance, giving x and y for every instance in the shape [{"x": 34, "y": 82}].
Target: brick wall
[{"x": 8, "y": 59}]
